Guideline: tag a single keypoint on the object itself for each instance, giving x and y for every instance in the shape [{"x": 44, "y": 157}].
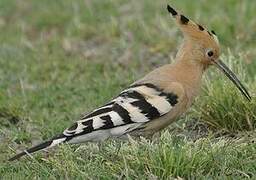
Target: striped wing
[{"x": 134, "y": 107}]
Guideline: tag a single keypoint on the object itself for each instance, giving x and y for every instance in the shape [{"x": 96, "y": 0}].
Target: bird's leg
[
  {"x": 118, "y": 147},
  {"x": 155, "y": 137},
  {"x": 101, "y": 146}
]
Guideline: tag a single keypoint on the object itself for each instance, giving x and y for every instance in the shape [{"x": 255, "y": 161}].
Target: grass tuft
[{"x": 222, "y": 106}]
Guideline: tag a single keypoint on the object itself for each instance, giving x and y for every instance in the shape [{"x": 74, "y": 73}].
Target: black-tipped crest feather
[
  {"x": 171, "y": 10},
  {"x": 184, "y": 19}
]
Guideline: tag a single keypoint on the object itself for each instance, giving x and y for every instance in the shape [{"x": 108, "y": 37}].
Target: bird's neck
[{"x": 188, "y": 73}]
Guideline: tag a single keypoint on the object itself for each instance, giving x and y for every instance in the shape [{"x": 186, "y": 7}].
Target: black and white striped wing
[
  {"x": 130, "y": 110},
  {"x": 135, "y": 106}
]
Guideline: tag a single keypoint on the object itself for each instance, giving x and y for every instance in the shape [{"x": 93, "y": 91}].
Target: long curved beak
[{"x": 233, "y": 78}]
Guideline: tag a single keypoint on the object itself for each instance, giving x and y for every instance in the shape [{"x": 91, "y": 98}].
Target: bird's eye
[{"x": 210, "y": 53}]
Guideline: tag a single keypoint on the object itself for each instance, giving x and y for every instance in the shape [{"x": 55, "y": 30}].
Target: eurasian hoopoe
[{"x": 153, "y": 102}]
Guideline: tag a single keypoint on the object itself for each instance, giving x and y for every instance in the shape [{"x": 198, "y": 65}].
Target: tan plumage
[{"x": 153, "y": 102}]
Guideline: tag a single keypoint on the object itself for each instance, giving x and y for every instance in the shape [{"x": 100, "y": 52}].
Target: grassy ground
[{"x": 61, "y": 58}]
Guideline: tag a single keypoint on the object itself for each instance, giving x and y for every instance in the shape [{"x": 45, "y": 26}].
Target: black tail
[{"x": 54, "y": 141}]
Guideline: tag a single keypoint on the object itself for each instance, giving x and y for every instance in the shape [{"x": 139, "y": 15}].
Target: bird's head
[{"x": 202, "y": 47}]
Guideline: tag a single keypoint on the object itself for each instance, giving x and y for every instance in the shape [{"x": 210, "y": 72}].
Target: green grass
[
  {"x": 222, "y": 107},
  {"x": 168, "y": 157},
  {"x": 61, "y": 58}
]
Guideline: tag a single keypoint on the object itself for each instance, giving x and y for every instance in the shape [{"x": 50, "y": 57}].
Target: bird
[{"x": 156, "y": 100}]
